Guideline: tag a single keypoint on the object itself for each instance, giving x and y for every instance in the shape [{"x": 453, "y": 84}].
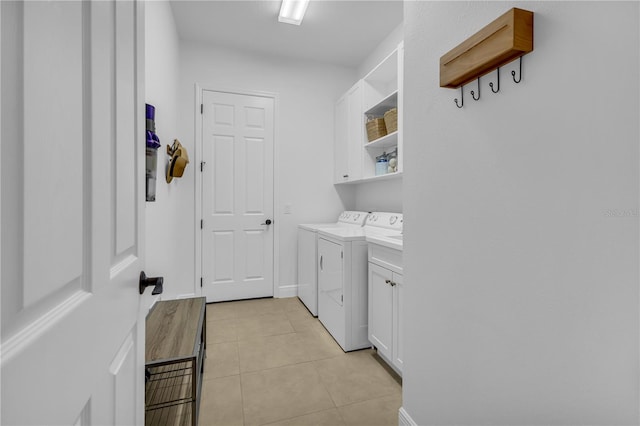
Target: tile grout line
[
  {"x": 324, "y": 386},
  {"x": 241, "y": 395}
]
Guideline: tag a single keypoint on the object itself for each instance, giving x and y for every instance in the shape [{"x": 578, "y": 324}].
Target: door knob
[
  {"x": 148, "y": 281},
  {"x": 266, "y": 222}
]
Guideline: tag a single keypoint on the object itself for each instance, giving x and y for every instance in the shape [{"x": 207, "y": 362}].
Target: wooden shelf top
[
  {"x": 172, "y": 329},
  {"x": 500, "y": 42}
]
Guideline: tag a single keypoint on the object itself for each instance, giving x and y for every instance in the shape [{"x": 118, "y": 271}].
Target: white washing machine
[
  {"x": 307, "y": 255},
  {"x": 342, "y": 278}
]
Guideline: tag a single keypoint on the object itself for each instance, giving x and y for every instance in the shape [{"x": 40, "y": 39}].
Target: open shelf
[
  {"x": 506, "y": 38},
  {"x": 381, "y": 82},
  {"x": 169, "y": 394},
  {"x": 388, "y": 176},
  {"x": 378, "y": 110},
  {"x": 384, "y": 142}
]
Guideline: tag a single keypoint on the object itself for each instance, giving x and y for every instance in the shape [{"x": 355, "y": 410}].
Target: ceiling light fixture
[{"x": 292, "y": 11}]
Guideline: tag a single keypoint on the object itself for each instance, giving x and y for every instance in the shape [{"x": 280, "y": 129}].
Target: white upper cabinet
[
  {"x": 378, "y": 92},
  {"x": 348, "y": 136},
  {"x": 340, "y": 141}
]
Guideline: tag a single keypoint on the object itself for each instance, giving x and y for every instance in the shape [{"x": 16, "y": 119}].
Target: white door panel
[
  {"x": 331, "y": 266},
  {"x": 331, "y": 311},
  {"x": 237, "y": 196},
  {"x": 380, "y": 309},
  {"x": 72, "y": 207},
  {"x": 341, "y": 140}
]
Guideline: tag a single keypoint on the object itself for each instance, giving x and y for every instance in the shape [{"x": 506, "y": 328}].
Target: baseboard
[
  {"x": 185, "y": 296},
  {"x": 404, "y": 419},
  {"x": 287, "y": 291}
]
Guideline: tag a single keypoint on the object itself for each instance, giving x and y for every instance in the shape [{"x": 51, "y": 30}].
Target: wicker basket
[
  {"x": 375, "y": 128},
  {"x": 391, "y": 120}
]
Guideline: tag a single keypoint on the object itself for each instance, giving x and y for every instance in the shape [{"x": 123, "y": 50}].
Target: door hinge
[
  {"x": 202, "y": 166},
  {"x": 201, "y": 224},
  {"x": 341, "y": 255},
  {"x": 342, "y": 298},
  {"x": 200, "y": 281},
  {"x": 201, "y": 108}
]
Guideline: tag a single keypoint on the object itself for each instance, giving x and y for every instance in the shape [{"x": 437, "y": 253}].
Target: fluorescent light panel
[{"x": 292, "y": 11}]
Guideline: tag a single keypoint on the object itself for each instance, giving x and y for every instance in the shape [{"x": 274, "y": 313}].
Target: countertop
[{"x": 389, "y": 241}]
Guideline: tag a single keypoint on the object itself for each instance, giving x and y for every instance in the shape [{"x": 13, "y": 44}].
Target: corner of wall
[{"x": 169, "y": 251}]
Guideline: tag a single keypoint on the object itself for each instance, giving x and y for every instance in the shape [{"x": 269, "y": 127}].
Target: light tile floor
[{"x": 270, "y": 362}]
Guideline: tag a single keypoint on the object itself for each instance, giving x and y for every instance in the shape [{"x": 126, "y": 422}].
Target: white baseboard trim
[
  {"x": 404, "y": 419},
  {"x": 287, "y": 291},
  {"x": 185, "y": 296}
]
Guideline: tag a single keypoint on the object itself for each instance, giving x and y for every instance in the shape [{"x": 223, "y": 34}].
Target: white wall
[
  {"x": 384, "y": 195},
  {"x": 384, "y": 48},
  {"x": 169, "y": 250},
  {"x": 380, "y": 196},
  {"x": 306, "y": 93},
  {"x": 521, "y": 280}
]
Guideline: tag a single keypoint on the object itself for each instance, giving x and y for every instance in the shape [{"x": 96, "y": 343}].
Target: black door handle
[
  {"x": 267, "y": 222},
  {"x": 147, "y": 281}
]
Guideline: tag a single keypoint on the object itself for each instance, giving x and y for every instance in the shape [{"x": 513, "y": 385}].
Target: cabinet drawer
[{"x": 386, "y": 257}]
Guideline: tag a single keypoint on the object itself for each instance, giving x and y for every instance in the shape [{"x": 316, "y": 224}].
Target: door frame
[{"x": 198, "y": 99}]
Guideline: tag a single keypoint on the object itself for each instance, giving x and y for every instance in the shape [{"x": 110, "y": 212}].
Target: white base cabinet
[{"x": 385, "y": 304}]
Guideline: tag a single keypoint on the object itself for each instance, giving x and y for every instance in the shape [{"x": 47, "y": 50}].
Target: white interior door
[
  {"x": 237, "y": 196},
  {"x": 72, "y": 194}
]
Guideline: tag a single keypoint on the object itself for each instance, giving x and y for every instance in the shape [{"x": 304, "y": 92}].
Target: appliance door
[
  {"x": 330, "y": 289},
  {"x": 331, "y": 268},
  {"x": 307, "y": 270}
]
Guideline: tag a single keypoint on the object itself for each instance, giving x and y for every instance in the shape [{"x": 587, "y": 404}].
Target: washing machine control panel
[
  {"x": 353, "y": 217},
  {"x": 386, "y": 220}
]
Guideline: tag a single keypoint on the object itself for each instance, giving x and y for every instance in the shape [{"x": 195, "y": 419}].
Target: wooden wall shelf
[{"x": 503, "y": 40}]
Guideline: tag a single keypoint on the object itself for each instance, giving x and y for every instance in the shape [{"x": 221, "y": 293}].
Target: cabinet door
[
  {"x": 398, "y": 321},
  {"x": 348, "y": 137},
  {"x": 380, "y": 309},
  {"x": 341, "y": 139},
  {"x": 356, "y": 130}
]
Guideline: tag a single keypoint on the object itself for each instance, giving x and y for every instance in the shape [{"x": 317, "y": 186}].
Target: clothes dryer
[{"x": 307, "y": 255}]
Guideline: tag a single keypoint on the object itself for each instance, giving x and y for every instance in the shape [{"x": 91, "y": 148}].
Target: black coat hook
[
  {"x": 461, "y": 97},
  {"x": 513, "y": 73},
  {"x": 473, "y": 95},
  {"x": 498, "y": 85}
]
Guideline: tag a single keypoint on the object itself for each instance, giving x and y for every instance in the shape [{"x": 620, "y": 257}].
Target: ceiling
[{"x": 339, "y": 32}]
